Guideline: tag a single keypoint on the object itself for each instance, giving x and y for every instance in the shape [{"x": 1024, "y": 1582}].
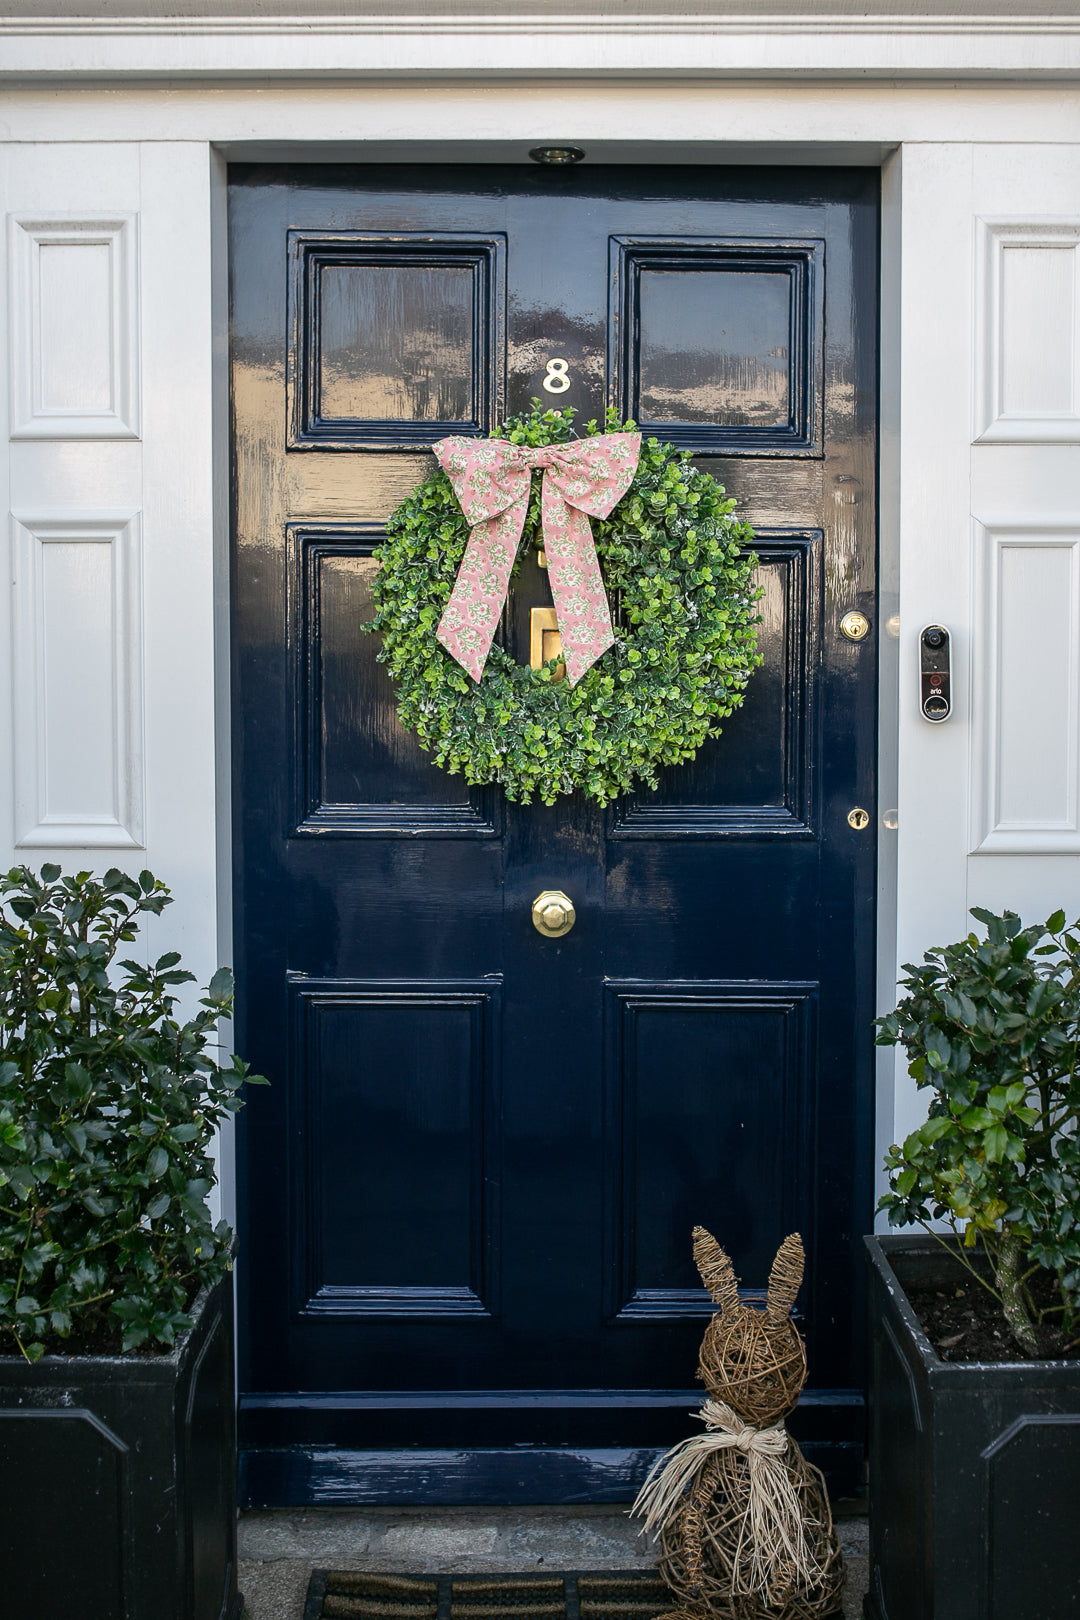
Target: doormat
[{"x": 606, "y": 1595}]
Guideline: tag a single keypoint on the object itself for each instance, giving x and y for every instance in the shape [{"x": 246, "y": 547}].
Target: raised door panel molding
[
  {"x": 1027, "y": 333},
  {"x": 748, "y": 787},
  {"x": 77, "y": 679},
  {"x": 74, "y": 327},
  {"x": 395, "y": 341},
  {"x": 1026, "y": 686},
  {"x": 394, "y": 1129},
  {"x": 740, "y": 1053},
  {"x": 359, "y": 773},
  {"x": 718, "y": 346}
]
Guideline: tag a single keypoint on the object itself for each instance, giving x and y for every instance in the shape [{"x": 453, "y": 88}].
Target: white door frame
[{"x": 970, "y": 174}]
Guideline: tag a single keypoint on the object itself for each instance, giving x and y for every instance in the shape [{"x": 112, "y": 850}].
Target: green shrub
[
  {"x": 992, "y": 1029},
  {"x": 108, "y": 1109}
]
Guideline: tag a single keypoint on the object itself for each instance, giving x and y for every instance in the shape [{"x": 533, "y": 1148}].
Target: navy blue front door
[{"x": 467, "y": 1197}]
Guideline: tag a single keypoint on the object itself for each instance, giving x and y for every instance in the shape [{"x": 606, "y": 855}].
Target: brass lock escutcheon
[
  {"x": 553, "y": 914},
  {"x": 858, "y": 819}
]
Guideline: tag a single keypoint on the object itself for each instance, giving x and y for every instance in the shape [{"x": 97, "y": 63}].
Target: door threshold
[{"x": 511, "y": 1476}]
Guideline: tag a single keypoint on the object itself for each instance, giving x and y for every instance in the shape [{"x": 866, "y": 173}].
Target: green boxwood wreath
[{"x": 677, "y": 567}]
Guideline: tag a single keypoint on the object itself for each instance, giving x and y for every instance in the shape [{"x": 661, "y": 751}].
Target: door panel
[
  {"x": 755, "y": 780},
  {"x": 467, "y": 1197},
  {"x": 718, "y": 345},
  {"x": 357, "y": 771},
  {"x": 381, "y": 1232},
  {"x": 396, "y": 340},
  {"x": 740, "y": 1057}
]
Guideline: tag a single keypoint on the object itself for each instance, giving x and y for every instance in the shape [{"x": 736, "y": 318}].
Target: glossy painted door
[{"x": 467, "y": 1197}]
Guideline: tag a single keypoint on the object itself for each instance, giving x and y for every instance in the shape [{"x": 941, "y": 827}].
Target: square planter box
[
  {"x": 118, "y": 1480},
  {"x": 974, "y": 1467}
]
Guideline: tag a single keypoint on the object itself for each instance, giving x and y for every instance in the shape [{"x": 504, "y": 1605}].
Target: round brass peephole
[{"x": 557, "y": 156}]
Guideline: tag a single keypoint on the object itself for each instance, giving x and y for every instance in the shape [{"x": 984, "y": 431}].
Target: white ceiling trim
[
  {"x": 546, "y": 22},
  {"x": 540, "y": 44}
]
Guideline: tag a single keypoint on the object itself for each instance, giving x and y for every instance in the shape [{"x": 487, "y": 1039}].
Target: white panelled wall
[
  {"x": 989, "y": 538},
  {"x": 115, "y": 728},
  {"x": 109, "y": 724}
]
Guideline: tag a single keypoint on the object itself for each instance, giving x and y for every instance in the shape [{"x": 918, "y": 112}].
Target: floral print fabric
[{"x": 491, "y": 478}]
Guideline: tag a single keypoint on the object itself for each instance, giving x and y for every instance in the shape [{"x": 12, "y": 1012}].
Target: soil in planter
[
  {"x": 964, "y": 1323},
  {"x": 96, "y": 1333}
]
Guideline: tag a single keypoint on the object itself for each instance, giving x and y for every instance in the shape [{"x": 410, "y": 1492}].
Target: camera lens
[{"x": 934, "y": 637}]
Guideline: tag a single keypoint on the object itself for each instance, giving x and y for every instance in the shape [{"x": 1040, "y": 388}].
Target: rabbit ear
[
  {"x": 716, "y": 1269},
  {"x": 785, "y": 1278}
]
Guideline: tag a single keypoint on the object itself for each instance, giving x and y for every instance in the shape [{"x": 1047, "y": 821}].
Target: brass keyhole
[
  {"x": 858, "y": 818},
  {"x": 855, "y": 626}
]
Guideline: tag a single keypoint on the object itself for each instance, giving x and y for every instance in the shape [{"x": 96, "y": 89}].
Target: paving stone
[
  {"x": 313, "y": 1533},
  {"x": 274, "y": 1591},
  {"x": 437, "y": 1540},
  {"x": 611, "y": 1543},
  {"x": 337, "y": 1533},
  {"x": 268, "y": 1535},
  {"x": 854, "y": 1537}
]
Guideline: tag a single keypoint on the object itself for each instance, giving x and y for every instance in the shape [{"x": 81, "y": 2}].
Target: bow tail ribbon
[
  {"x": 773, "y": 1555},
  {"x": 471, "y": 617},
  {"x": 577, "y": 586},
  {"x": 491, "y": 480}
]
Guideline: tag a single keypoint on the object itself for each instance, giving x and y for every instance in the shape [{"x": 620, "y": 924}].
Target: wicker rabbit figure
[{"x": 744, "y": 1522}]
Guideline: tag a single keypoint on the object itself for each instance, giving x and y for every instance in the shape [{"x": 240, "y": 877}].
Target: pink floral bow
[{"x": 491, "y": 478}]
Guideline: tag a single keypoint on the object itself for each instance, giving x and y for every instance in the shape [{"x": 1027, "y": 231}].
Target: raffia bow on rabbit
[{"x": 744, "y": 1522}]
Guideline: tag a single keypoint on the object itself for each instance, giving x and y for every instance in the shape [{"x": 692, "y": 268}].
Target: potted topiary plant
[
  {"x": 975, "y": 1353},
  {"x": 117, "y": 1429}
]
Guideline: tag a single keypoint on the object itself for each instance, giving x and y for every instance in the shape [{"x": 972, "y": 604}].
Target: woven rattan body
[
  {"x": 697, "y": 1549},
  {"x": 743, "y": 1519}
]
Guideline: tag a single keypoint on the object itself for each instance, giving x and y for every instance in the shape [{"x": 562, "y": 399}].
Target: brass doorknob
[{"x": 553, "y": 914}]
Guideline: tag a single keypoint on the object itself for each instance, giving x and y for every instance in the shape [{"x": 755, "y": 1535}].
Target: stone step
[{"x": 279, "y": 1547}]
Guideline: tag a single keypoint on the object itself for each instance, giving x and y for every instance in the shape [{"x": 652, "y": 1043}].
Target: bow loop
[
  {"x": 491, "y": 479},
  {"x": 485, "y": 484},
  {"x": 595, "y": 482}
]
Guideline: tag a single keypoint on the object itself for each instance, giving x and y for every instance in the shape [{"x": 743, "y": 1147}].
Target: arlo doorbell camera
[{"x": 935, "y": 677}]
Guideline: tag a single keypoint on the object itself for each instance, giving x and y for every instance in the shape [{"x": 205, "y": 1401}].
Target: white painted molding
[
  {"x": 1027, "y": 331},
  {"x": 1026, "y": 686},
  {"x": 77, "y": 680},
  {"x": 655, "y": 42},
  {"x": 74, "y": 320}
]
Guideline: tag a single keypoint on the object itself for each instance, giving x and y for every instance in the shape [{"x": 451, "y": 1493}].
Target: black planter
[
  {"x": 974, "y": 1467},
  {"x": 118, "y": 1481}
]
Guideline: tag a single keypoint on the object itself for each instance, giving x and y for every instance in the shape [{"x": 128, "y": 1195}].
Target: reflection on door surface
[{"x": 467, "y": 1197}]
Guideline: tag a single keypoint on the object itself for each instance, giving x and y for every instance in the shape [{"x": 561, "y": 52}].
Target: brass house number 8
[{"x": 556, "y": 381}]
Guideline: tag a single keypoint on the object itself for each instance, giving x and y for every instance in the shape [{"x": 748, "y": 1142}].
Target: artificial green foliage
[
  {"x": 992, "y": 1028},
  {"x": 108, "y": 1108},
  {"x": 678, "y": 570}
]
